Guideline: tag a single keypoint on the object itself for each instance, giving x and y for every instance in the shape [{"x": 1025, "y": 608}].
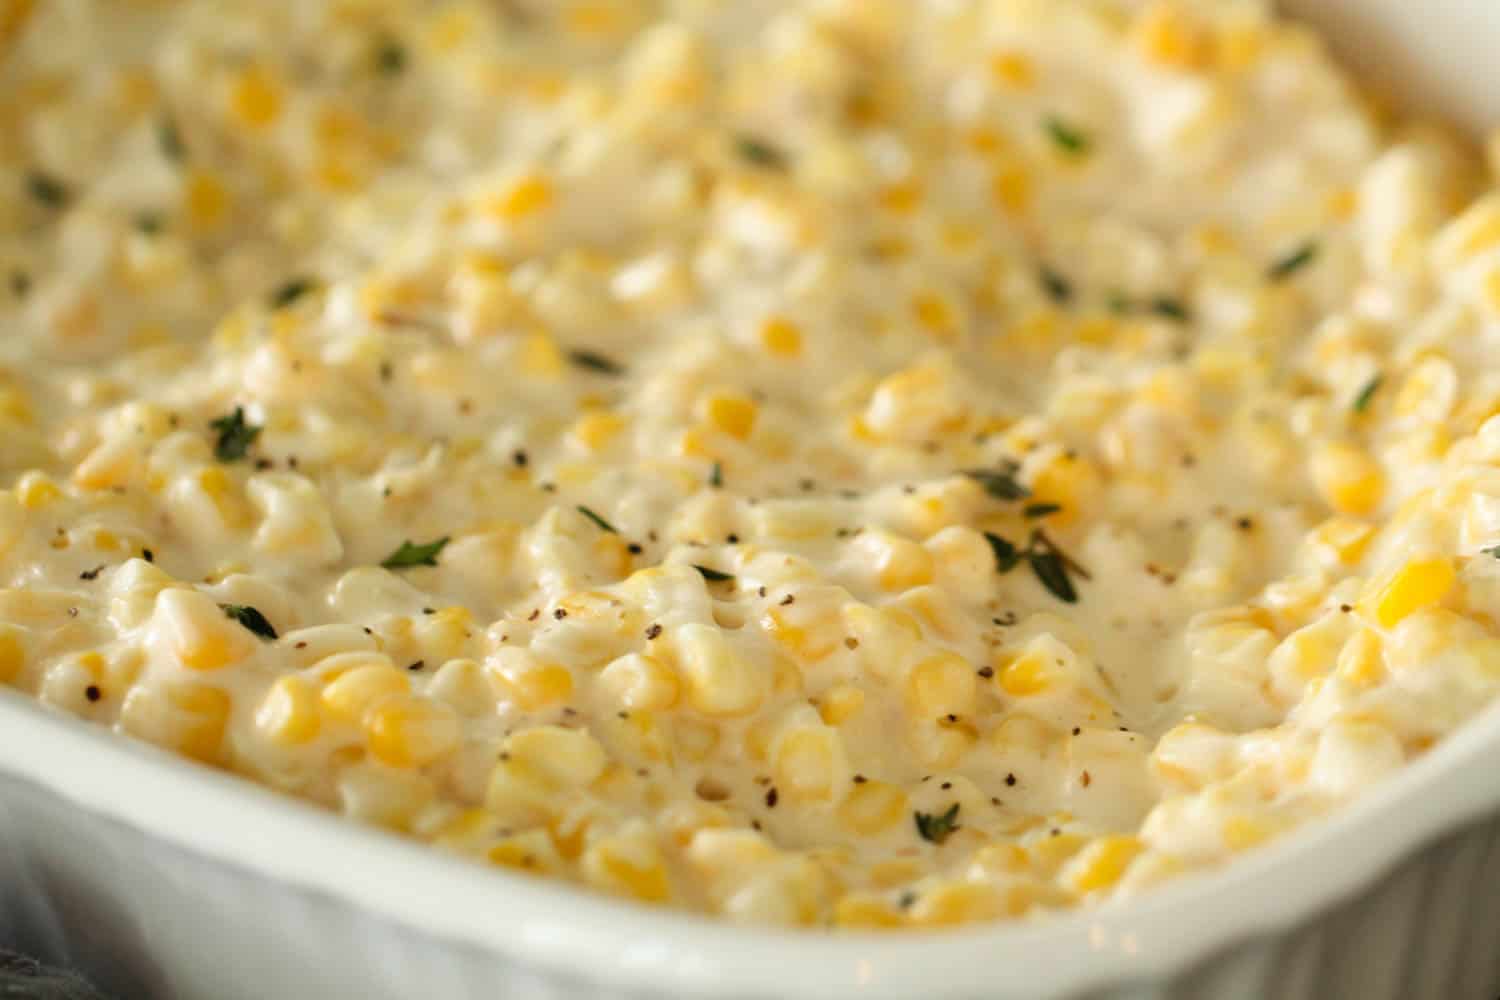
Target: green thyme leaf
[
  {"x": 713, "y": 575},
  {"x": 1053, "y": 574},
  {"x": 390, "y": 57},
  {"x": 1006, "y": 553},
  {"x": 251, "y": 619},
  {"x": 601, "y": 522},
  {"x": 411, "y": 554},
  {"x": 716, "y": 475},
  {"x": 1293, "y": 262},
  {"x": 46, "y": 189},
  {"x": 1000, "y": 483},
  {"x": 290, "y": 291},
  {"x": 1040, "y": 509},
  {"x": 1067, "y": 138},
  {"x": 235, "y": 435},
  {"x": 169, "y": 140},
  {"x": 760, "y": 152},
  {"x": 1057, "y": 287},
  {"x": 1362, "y": 401},
  {"x": 935, "y": 827},
  {"x": 1169, "y": 308},
  {"x": 596, "y": 362}
]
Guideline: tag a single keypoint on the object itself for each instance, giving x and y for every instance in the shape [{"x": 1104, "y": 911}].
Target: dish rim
[{"x": 549, "y": 925}]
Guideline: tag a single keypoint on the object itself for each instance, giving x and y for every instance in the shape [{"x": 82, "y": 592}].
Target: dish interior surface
[{"x": 819, "y": 463}]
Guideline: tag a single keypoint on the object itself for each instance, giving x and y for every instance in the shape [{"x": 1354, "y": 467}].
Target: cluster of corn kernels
[{"x": 737, "y": 367}]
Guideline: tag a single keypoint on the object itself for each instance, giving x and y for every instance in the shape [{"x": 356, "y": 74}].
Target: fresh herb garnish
[
  {"x": 1293, "y": 262},
  {"x": 1057, "y": 287},
  {"x": 935, "y": 827},
  {"x": 716, "y": 475},
  {"x": 1493, "y": 550},
  {"x": 46, "y": 189},
  {"x": 390, "y": 57},
  {"x": 410, "y": 554},
  {"x": 1052, "y": 566},
  {"x": 148, "y": 223},
  {"x": 601, "y": 522},
  {"x": 169, "y": 140},
  {"x": 1000, "y": 483},
  {"x": 713, "y": 575},
  {"x": 1040, "y": 509},
  {"x": 596, "y": 362},
  {"x": 760, "y": 152},
  {"x": 290, "y": 291},
  {"x": 20, "y": 283},
  {"x": 251, "y": 619},
  {"x": 1362, "y": 401},
  {"x": 1169, "y": 308},
  {"x": 1006, "y": 553},
  {"x": 1067, "y": 138},
  {"x": 235, "y": 435},
  {"x": 1117, "y": 302}
]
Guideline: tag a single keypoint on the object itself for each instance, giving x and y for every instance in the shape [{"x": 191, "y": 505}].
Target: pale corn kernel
[
  {"x": 1420, "y": 583},
  {"x": 867, "y": 911},
  {"x": 806, "y": 763},
  {"x": 781, "y": 337},
  {"x": 1244, "y": 832},
  {"x": 732, "y": 414},
  {"x": 1361, "y": 662},
  {"x": 36, "y": 491},
  {"x": 940, "y": 686},
  {"x": 12, "y": 653},
  {"x": 1348, "y": 478},
  {"x": 695, "y": 740},
  {"x": 720, "y": 681},
  {"x": 198, "y": 631},
  {"x": 872, "y": 807},
  {"x": 1013, "y": 69},
  {"x": 561, "y": 758},
  {"x": 957, "y": 903},
  {"x": 1050, "y": 853},
  {"x": 523, "y": 197},
  {"x": 1102, "y": 863},
  {"x": 628, "y": 866},
  {"x": 838, "y": 704},
  {"x": 899, "y": 563},
  {"x": 1344, "y": 539},
  {"x": 640, "y": 681},
  {"x": 186, "y": 717},
  {"x": 288, "y": 714},
  {"x": 353, "y": 692},
  {"x": 404, "y": 730}
]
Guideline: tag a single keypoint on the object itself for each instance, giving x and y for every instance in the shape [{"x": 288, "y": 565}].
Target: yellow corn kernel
[
  {"x": 556, "y": 757},
  {"x": 805, "y": 762},
  {"x": 1003, "y": 859},
  {"x": 901, "y": 199},
  {"x": 1244, "y": 832},
  {"x": 289, "y": 714},
  {"x": 1418, "y": 584},
  {"x": 537, "y": 685},
  {"x": 638, "y": 681},
  {"x": 1013, "y": 69},
  {"x": 406, "y": 730},
  {"x": 1361, "y": 662},
  {"x": 529, "y": 851},
  {"x": 206, "y": 200},
  {"x": 352, "y": 693},
  {"x": 873, "y": 807},
  {"x": 1348, "y": 478},
  {"x": 255, "y": 98},
  {"x": 597, "y": 429},
  {"x": 1345, "y": 539},
  {"x": 1070, "y": 481},
  {"x": 940, "y": 686},
  {"x": 936, "y": 315},
  {"x": 1026, "y": 675},
  {"x": 629, "y": 866},
  {"x": 781, "y": 337},
  {"x": 200, "y": 633},
  {"x": 12, "y": 653},
  {"x": 957, "y": 903},
  {"x": 36, "y": 491},
  {"x": 1100, "y": 865},
  {"x": 866, "y": 911},
  {"x": 1010, "y": 186},
  {"x": 839, "y": 704},
  {"x": 188, "y": 718},
  {"x": 1240, "y": 45},
  {"x": 1164, "y": 35},
  {"x": 1049, "y": 854},
  {"x": 900, "y": 563},
  {"x": 523, "y": 197},
  {"x": 720, "y": 681},
  {"x": 732, "y": 414}
]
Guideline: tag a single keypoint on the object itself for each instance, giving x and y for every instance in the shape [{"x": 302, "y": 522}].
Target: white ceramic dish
[{"x": 175, "y": 882}]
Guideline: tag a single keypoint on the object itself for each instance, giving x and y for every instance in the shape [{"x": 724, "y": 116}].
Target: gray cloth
[{"x": 23, "y": 978}]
